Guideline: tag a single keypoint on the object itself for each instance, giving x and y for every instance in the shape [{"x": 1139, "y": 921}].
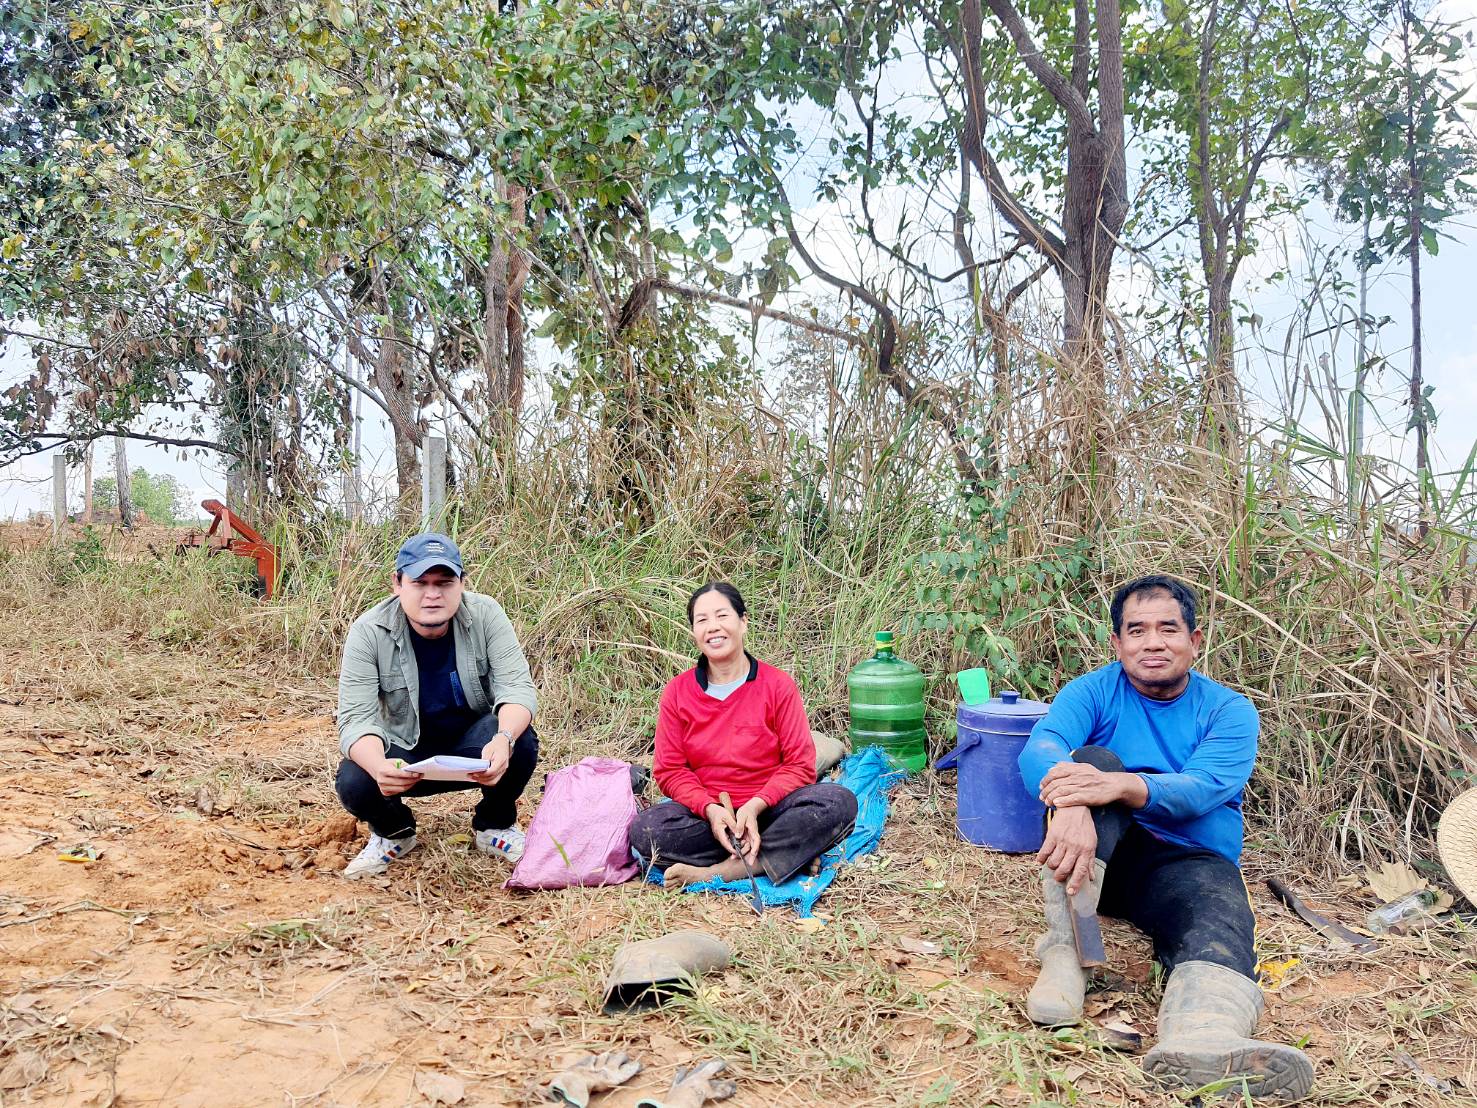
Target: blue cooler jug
[{"x": 995, "y": 810}]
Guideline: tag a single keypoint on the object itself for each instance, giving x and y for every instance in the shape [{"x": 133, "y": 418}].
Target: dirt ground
[{"x": 211, "y": 954}]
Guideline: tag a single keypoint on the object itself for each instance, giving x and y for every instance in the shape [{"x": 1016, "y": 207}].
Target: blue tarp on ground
[{"x": 870, "y": 774}]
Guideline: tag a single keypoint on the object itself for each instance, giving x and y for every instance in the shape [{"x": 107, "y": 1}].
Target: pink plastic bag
[{"x": 580, "y": 834}]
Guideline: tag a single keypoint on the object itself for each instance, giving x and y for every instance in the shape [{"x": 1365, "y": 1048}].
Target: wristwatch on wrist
[{"x": 505, "y": 733}]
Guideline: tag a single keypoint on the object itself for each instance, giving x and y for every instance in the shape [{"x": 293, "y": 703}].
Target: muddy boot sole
[{"x": 1270, "y": 1070}]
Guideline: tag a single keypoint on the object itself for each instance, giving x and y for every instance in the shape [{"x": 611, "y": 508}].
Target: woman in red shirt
[{"x": 733, "y": 725}]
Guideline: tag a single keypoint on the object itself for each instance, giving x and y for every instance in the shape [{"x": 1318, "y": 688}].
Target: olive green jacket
[{"x": 379, "y": 684}]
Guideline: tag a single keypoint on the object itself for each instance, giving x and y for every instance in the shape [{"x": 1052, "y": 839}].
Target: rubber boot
[
  {"x": 644, "y": 973},
  {"x": 1205, "y": 1025},
  {"x": 1056, "y": 998}
]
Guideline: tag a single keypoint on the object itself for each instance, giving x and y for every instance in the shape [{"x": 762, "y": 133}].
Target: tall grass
[{"x": 1356, "y": 643}]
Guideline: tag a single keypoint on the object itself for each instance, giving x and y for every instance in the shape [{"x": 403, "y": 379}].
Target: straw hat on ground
[{"x": 1456, "y": 842}]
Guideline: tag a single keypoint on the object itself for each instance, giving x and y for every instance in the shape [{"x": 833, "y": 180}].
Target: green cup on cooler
[{"x": 974, "y": 686}]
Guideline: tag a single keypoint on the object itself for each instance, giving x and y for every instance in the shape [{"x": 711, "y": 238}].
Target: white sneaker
[
  {"x": 376, "y": 857},
  {"x": 503, "y": 842}
]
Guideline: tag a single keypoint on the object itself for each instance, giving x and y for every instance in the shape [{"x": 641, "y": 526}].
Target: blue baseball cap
[{"x": 425, "y": 552}]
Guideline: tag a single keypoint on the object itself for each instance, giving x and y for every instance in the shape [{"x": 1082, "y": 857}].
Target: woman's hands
[
  {"x": 747, "y": 819},
  {"x": 722, "y": 822},
  {"x": 741, "y": 827}
]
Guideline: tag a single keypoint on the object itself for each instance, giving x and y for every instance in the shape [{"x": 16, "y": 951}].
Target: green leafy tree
[
  {"x": 159, "y": 496},
  {"x": 1227, "y": 93},
  {"x": 409, "y": 180},
  {"x": 1411, "y": 168}
]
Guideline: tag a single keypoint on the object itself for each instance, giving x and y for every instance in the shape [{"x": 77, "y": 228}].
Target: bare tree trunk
[
  {"x": 1218, "y": 386},
  {"x": 1097, "y": 185},
  {"x": 394, "y": 378},
  {"x": 503, "y": 278},
  {"x": 506, "y": 395},
  {"x": 518, "y": 267},
  {"x": 125, "y": 493},
  {"x": 1095, "y": 209},
  {"x": 236, "y": 498},
  {"x": 356, "y": 466},
  {"x": 1417, "y": 380},
  {"x": 495, "y": 318},
  {"x": 1222, "y": 391},
  {"x": 391, "y": 369}
]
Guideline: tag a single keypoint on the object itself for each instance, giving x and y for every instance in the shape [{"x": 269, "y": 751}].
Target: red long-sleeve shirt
[{"x": 754, "y": 743}]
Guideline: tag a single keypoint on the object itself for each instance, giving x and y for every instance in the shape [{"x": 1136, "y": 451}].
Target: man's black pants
[
  {"x": 391, "y": 817},
  {"x": 797, "y": 830},
  {"x": 1190, "y": 901}
]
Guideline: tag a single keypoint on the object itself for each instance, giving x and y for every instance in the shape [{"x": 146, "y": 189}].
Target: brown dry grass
[{"x": 212, "y": 955}]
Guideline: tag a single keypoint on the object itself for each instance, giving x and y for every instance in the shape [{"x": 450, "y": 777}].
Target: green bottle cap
[{"x": 884, "y": 638}]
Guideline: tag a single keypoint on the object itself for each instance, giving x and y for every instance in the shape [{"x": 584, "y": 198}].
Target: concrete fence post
[
  {"x": 433, "y": 481},
  {"x": 58, "y": 493}
]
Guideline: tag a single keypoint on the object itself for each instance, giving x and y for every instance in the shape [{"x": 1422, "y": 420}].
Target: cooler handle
[{"x": 951, "y": 759}]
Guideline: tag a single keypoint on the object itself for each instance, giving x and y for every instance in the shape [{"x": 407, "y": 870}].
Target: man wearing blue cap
[{"x": 433, "y": 670}]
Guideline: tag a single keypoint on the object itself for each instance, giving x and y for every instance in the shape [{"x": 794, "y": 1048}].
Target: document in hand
[{"x": 447, "y": 767}]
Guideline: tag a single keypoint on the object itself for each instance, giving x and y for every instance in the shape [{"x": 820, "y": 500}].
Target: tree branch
[
  {"x": 1110, "y": 82},
  {"x": 365, "y": 389},
  {"x": 7, "y": 333},
  {"x": 643, "y": 289},
  {"x": 475, "y": 426},
  {"x": 1072, "y": 102},
  {"x": 1019, "y": 288},
  {"x": 356, "y": 347},
  {"x": 972, "y": 136},
  {"x": 1238, "y": 206},
  {"x": 1082, "y": 48},
  {"x": 887, "y": 326},
  {"x": 140, "y": 436},
  {"x": 910, "y": 393},
  {"x": 607, "y": 307}
]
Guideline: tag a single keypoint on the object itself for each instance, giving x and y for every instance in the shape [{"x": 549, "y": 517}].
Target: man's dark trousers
[
  {"x": 1189, "y": 900},
  {"x": 391, "y": 817},
  {"x": 797, "y": 830}
]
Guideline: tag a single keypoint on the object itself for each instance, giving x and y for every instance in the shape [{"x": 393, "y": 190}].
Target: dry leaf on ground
[
  {"x": 1273, "y": 973},
  {"x": 1393, "y": 880},
  {"x": 910, "y": 945},
  {"x": 440, "y": 1088}
]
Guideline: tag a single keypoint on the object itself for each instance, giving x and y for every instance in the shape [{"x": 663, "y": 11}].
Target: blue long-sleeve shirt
[{"x": 1194, "y": 752}]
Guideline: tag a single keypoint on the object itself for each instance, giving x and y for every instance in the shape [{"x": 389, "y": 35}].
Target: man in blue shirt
[{"x": 1144, "y": 763}]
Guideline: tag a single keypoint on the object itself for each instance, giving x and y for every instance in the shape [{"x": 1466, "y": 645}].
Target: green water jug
[{"x": 887, "y": 705}]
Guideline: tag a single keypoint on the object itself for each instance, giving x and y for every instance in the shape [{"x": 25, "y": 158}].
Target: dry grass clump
[
  {"x": 36, "y": 1043},
  {"x": 1355, "y": 642}
]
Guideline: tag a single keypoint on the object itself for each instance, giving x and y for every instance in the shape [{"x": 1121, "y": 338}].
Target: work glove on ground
[
  {"x": 593, "y": 1073},
  {"x": 692, "y": 1088}
]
